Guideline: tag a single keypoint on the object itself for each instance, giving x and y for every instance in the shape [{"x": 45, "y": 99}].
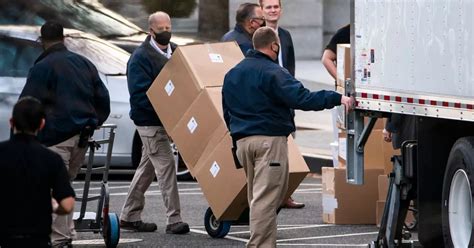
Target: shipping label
[
  {"x": 216, "y": 58},
  {"x": 215, "y": 169},
  {"x": 169, "y": 88},
  {"x": 192, "y": 125}
]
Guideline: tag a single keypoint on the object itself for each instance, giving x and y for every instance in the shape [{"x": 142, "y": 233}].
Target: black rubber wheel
[
  {"x": 215, "y": 228},
  {"x": 457, "y": 209}
]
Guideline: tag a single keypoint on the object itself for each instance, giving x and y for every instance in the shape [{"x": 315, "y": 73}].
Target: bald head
[
  {"x": 266, "y": 41},
  {"x": 158, "y": 16}
]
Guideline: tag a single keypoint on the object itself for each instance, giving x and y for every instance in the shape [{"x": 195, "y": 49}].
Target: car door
[{"x": 17, "y": 56}]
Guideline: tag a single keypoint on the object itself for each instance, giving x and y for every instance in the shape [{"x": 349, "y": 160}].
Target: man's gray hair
[
  {"x": 263, "y": 37},
  {"x": 157, "y": 15}
]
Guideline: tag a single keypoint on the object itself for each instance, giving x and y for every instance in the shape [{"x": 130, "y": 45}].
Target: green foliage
[{"x": 181, "y": 8}]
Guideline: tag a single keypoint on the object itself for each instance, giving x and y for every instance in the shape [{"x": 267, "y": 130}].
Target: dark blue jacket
[
  {"x": 241, "y": 36},
  {"x": 258, "y": 97},
  {"x": 287, "y": 50},
  {"x": 142, "y": 68},
  {"x": 71, "y": 90}
]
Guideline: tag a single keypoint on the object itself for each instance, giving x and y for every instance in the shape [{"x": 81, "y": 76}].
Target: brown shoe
[
  {"x": 138, "y": 226},
  {"x": 290, "y": 203}
]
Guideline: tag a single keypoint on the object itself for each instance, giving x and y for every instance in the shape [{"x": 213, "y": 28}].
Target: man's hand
[
  {"x": 387, "y": 136},
  {"x": 348, "y": 102}
]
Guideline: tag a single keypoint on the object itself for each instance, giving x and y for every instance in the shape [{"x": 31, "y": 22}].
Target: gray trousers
[
  {"x": 73, "y": 157},
  {"x": 265, "y": 161},
  {"x": 157, "y": 158}
]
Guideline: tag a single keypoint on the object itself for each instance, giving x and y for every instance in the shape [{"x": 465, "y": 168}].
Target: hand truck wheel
[
  {"x": 111, "y": 230},
  {"x": 215, "y": 228}
]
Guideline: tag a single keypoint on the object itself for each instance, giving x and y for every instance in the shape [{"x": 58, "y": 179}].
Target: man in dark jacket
[
  {"x": 30, "y": 174},
  {"x": 286, "y": 57},
  {"x": 76, "y": 102},
  {"x": 143, "y": 67},
  {"x": 249, "y": 17},
  {"x": 257, "y": 97}
]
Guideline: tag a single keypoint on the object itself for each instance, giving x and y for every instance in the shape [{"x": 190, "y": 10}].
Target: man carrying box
[
  {"x": 257, "y": 99},
  {"x": 143, "y": 67}
]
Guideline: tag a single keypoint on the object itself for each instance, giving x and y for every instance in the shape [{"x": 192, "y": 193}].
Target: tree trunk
[{"x": 213, "y": 19}]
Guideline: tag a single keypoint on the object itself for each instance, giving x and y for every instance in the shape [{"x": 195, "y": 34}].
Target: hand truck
[{"x": 101, "y": 221}]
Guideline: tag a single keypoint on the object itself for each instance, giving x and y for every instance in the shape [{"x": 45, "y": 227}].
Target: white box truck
[{"x": 416, "y": 58}]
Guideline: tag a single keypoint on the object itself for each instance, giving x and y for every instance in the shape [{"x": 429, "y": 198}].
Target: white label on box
[
  {"x": 342, "y": 148},
  {"x": 329, "y": 203},
  {"x": 215, "y": 169},
  {"x": 192, "y": 125},
  {"x": 216, "y": 58},
  {"x": 169, "y": 88}
]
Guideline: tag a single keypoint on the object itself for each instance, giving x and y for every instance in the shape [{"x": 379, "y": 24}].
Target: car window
[
  {"x": 108, "y": 59},
  {"x": 17, "y": 56},
  {"x": 88, "y": 16}
]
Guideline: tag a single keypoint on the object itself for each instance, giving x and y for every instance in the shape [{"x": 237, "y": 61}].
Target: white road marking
[
  {"x": 328, "y": 237},
  {"x": 290, "y": 228},
  {"x": 226, "y": 237},
  {"x": 326, "y": 245},
  {"x": 101, "y": 241}
]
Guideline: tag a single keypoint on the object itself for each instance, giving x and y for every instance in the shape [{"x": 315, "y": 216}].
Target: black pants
[{"x": 22, "y": 241}]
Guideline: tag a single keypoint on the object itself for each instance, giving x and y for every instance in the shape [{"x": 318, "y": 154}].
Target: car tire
[
  {"x": 457, "y": 195},
  {"x": 182, "y": 172}
]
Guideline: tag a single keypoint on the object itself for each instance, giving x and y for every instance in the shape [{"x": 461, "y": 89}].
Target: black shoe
[
  {"x": 63, "y": 244},
  {"x": 177, "y": 228},
  {"x": 138, "y": 226}
]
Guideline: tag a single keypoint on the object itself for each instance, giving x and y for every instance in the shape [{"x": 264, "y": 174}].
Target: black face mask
[
  {"x": 163, "y": 38},
  {"x": 277, "y": 51}
]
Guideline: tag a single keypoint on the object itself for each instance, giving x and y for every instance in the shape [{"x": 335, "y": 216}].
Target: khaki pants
[
  {"x": 73, "y": 157},
  {"x": 265, "y": 160},
  {"x": 156, "y": 157}
]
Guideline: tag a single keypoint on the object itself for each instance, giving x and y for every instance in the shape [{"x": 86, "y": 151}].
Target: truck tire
[
  {"x": 457, "y": 205},
  {"x": 182, "y": 172}
]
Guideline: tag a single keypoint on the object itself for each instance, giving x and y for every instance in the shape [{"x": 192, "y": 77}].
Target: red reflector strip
[
  {"x": 386, "y": 98},
  {"x": 469, "y": 106},
  {"x": 457, "y": 105},
  {"x": 421, "y": 101},
  {"x": 445, "y": 104},
  {"x": 409, "y": 100},
  {"x": 398, "y": 99},
  {"x": 363, "y": 95},
  {"x": 375, "y": 96},
  {"x": 433, "y": 103}
]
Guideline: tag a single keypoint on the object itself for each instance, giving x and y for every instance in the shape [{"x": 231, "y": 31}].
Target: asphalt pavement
[{"x": 296, "y": 227}]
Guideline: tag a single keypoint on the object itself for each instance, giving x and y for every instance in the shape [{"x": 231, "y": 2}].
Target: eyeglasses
[{"x": 259, "y": 18}]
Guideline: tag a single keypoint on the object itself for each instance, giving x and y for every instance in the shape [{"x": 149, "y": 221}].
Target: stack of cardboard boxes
[
  {"x": 187, "y": 97},
  {"x": 350, "y": 204}
]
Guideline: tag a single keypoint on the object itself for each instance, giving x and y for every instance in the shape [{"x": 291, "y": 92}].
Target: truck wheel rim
[{"x": 460, "y": 200}]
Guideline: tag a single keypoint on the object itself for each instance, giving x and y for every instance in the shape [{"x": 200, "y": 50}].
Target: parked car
[
  {"x": 18, "y": 51},
  {"x": 85, "y": 15}
]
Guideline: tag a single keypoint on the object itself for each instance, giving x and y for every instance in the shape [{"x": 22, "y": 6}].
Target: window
[{"x": 17, "y": 56}]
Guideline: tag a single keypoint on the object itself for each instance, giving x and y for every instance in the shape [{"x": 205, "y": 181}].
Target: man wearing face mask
[
  {"x": 258, "y": 96},
  {"x": 249, "y": 17},
  {"x": 143, "y": 67}
]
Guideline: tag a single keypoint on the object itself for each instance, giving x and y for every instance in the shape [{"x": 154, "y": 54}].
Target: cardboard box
[
  {"x": 224, "y": 185},
  {"x": 383, "y": 182},
  {"x": 190, "y": 69},
  {"x": 201, "y": 127},
  {"x": 344, "y": 203},
  {"x": 344, "y": 63},
  {"x": 374, "y": 157}
]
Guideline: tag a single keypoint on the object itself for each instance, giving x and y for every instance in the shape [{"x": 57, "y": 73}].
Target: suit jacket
[{"x": 287, "y": 50}]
